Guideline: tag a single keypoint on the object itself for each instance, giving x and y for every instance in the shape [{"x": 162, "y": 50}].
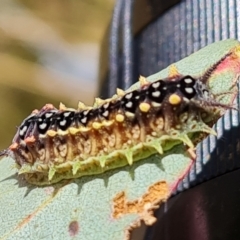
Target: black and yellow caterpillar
[{"x": 54, "y": 144}]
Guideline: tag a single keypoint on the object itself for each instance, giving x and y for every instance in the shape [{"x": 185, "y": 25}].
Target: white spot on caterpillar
[
  {"x": 23, "y": 131},
  {"x": 188, "y": 80},
  {"x": 43, "y": 126},
  {"x": 189, "y": 90},
  {"x": 156, "y": 94},
  {"x": 48, "y": 115},
  {"x": 205, "y": 93},
  {"x": 106, "y": 113},
  {"x": 156, "y": 84},
  {"x": 63, "y": 122},
  {"x": 128, "y": 96},
  {"x": 84, "y": 120},
  {"x": 129, "y": 104},
  {"x": 155, "y": 104},
  {"x": 106, "y": 105},
  {"x": 66, "y": 114}
]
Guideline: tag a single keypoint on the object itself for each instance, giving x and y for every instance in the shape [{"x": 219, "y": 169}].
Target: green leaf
[
  {"x": 29, "y": 212},
  {"x": 107, "y": 206}
]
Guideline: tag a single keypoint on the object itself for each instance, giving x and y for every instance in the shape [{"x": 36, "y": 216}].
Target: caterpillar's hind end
[{"x": 4, "y": 153}]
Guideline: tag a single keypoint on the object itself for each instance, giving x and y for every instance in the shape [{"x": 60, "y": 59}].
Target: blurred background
[{"x": 49, "y": 53}]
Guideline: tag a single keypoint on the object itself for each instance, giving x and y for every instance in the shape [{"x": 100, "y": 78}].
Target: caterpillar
[{"x": 53, "y": 144}]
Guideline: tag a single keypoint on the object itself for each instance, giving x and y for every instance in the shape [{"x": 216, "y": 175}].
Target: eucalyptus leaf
[{"x": 107, "y": 206}]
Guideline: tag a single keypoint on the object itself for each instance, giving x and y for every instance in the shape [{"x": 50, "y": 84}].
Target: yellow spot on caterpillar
[
  {"x": 96, "y": 125},
  {"x": 143, "y": 81},
  {"x": 107, "y": 123},
  {"x": 173, "y": 71},
  {"x": 174, "y": 99},
  {"x": 61, "y": 132},
  {"x": 144, "y": 107},
  {"x": 120, "y": 92},
  {"x": 119, "y": 117},
  {"x": 84, "y": 129},
  {"x": 73, "y": 130},
  {"x": 51, "y": 133}
]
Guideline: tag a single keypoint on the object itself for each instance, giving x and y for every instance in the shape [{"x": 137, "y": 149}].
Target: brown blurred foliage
[{"x": 48, "y": 53}]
